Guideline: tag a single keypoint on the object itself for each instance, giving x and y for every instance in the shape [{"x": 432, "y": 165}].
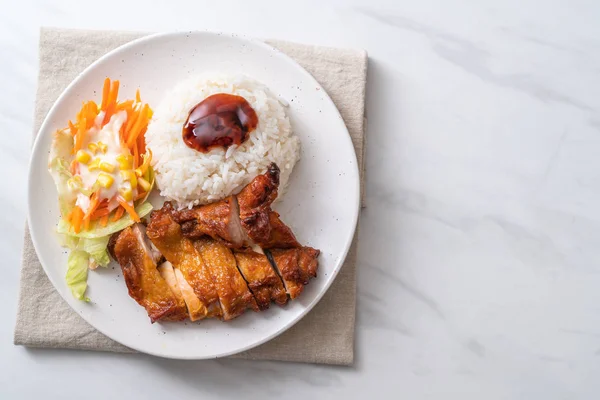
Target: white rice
[{"x": 190, "y": 177}]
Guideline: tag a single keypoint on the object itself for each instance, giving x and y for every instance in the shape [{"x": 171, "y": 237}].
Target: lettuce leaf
[
  {"x": 60, "y": 152},
  {"x": 60, "y": 174},
  {"x": 68, "y": 241},
  {"x": 77, "y": 270},
  {"x": 96, "y": 248}
]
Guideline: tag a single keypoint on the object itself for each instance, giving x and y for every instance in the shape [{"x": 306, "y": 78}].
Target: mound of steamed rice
[{"x": 190, "y": 177}]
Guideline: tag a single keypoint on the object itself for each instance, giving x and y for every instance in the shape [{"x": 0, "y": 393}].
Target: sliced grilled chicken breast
[
  {"x": 264, "y": 283},
  {"x": 166, "y": 235},
  {"x": 145, "y": 284},
  {"x": 234, "y": 295}
]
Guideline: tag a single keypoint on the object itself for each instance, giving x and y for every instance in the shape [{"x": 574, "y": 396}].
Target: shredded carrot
[
  {"x": 140, "y": 196},
  {"x": 91, "y": 113},
  {"x": 100, "y": 212},
  {"x": 110, "y": 110},
  {"x": 138, "y": 97},
  {"x": 136, "y": 156},
  {"x": 130, "y": 210},
  {"x": 80, "y": 135},
  {"x": 118, "y": 214},
  {"x": 132, "y": 118},
  {"x": 141, "y": 142},
  {"x": 111, "y": 103},
  {"x": 125, "y": 106},
  {"x": 77, "y": 219},
  {"x": 141, "y": 122},
  {"x": 105, "y": 94},
  {"x": 86, "y": 224},
  {"x": 73, "y": 167},
  {"x": 73, "y": 128},
  {"x": 94, "y": 202},
  {"x": 114, "y": 93},
  {"x": 69, "y": 216},
  {"x": 104, "y": 220},
  {"x": 122, "y": 136}
]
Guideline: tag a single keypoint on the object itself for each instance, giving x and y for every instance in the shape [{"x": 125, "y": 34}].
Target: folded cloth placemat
[{"x": 325, "y": 335}]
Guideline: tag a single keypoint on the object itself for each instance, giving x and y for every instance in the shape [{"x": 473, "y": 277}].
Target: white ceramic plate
[{"x": 321, "y": 205}]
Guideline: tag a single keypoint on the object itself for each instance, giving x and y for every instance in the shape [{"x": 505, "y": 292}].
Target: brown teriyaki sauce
[{"x": 219, "y": 121}]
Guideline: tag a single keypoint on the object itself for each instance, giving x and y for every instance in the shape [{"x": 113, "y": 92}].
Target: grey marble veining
[{"x": 480, "y": 245}]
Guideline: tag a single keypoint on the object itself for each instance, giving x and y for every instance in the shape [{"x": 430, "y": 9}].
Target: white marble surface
[{"x": 479, "y": 256}]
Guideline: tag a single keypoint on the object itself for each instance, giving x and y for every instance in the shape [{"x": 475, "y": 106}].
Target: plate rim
[{"x": 149, "y": 38}]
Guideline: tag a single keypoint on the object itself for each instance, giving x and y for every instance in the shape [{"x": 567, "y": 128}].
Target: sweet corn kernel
[
  {"x": 107, "y": 167},
  {"x": 139, "y": 172},
  {"x": 102, "y": 147},
  {"x": 125, "y": 161},
  {"x": 83, "y": 156},
  {"x": 105, "y": 180},
  {"x": 94, "y": 164},
  {"x": 93, "y": 147},
  {"x": 129, "y": 176},
  {"x": 126, "y": 193},
  {"x": 144, "y": 184},
  {"x": 133, "y": 179}
]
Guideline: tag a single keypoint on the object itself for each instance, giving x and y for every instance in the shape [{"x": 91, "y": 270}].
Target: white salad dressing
[
  {"x": 83, "y": 202},
  {"x": 109, "y": 135}
]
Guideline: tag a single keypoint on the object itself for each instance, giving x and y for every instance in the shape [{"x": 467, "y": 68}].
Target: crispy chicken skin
[
  {"x": 263, "y": 282},
  {"x": 281, "y": 236},
  {"x": 166, "y": 235},
  {"x": 144, "y": 282},
  {"x": 255, "y": 204},
  {"x": 308, "y": 261},
  {"x": 295, "y": 266},
  {"x": 218, "y": 220},
  {"x": 234, "y": 295}
]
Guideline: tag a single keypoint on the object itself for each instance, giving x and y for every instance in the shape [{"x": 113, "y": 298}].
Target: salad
[{"x": 102, "y": 172}]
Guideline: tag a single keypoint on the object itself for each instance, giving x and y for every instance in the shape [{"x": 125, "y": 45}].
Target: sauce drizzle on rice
[{"x": 220, "y": 120}]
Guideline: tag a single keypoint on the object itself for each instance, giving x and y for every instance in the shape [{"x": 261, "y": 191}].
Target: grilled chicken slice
[
  {"x": 255, "y": 204},
  {"x": 308, "y": 261},
  {"x": 166, "y": 235},
  {"x": 281, "y": 236},
  {"x": 233, "y": 292},
  {"x": 167, "y": 272},
  {"x": 295, "y": 266},
  {"x": 218, "y": 220},
  {"x": 196, "y": 308},
  {"x": 263, "y": 282},
  {"x": 134, "y": 253}
]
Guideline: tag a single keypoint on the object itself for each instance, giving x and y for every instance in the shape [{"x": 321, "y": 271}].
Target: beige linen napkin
[{"x": 325, "y": 335}]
